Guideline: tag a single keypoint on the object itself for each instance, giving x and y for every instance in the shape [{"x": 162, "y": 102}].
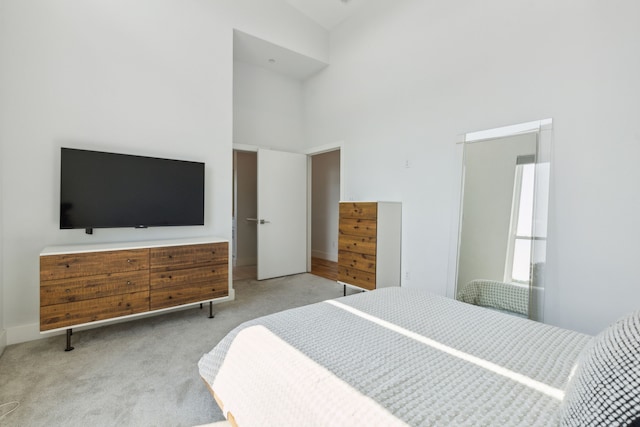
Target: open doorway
[
  {"x": 325, "y": 195},
  {"x": 270, "y": 219},
  {"x": 325, "y": 191},
  {"x": 245, "y": 205}
]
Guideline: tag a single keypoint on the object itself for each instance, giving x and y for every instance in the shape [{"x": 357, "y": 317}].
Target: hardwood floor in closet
[{"x": 324, "y": 268}]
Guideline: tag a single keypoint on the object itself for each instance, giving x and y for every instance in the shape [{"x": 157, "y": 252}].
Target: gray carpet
[{"x": 142, "y": 372}]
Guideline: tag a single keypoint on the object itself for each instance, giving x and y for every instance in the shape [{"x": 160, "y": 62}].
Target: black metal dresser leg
[{"x": 69, "y": 333}]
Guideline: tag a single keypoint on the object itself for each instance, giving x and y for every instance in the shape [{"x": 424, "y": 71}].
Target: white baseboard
[
  {"x": 325, "y": 255},
  {"x": 24, "y": 333},
  {"x": 3, "y": 341}
]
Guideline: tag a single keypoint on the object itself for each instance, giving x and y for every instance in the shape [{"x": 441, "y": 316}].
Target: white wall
[
  {"x": 325, "y": 196},
  {"x": 408, "y": 77},
  {"x": 3, "y": 333},
  {"x": 267, "y": 108},
  {"x": 150, "y": 77}
]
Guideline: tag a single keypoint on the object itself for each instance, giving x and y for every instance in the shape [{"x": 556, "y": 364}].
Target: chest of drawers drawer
[
  {"x": 359, "y": 210},
  {"x": 91, "y": 310},
  {"x": 66, "y": 266},
  {"x": 208, "y": 274},
  {"x": 88, "y": 287},
  {"x": 177, "y": 257}
]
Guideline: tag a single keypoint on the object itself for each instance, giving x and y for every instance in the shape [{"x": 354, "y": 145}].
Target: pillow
[{"x": 605, "y": 389}]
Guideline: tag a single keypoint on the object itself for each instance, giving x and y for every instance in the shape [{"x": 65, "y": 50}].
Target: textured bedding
[{"x": 394, "y": 356}]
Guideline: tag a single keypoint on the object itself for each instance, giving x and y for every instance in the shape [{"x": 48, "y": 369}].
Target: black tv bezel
[{"x": 89, "y": 227}]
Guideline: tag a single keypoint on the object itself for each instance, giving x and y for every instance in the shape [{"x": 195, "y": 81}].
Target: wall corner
[{"x": 3, "y": 341}]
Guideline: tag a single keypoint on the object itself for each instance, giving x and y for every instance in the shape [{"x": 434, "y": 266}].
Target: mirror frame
[{"x": 544, "y": 129}]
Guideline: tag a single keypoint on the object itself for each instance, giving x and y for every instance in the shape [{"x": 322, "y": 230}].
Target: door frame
[
  {"x": 336, "y": 146},
  {"x": 310, "y": 152}
]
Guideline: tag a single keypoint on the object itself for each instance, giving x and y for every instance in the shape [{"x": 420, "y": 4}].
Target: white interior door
[{"x": 282, "y": 213}]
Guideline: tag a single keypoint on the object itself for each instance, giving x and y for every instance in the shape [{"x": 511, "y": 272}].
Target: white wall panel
[{"x": 267, "y": 108}]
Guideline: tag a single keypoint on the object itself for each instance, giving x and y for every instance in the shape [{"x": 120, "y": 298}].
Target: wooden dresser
[
  {"x": 369, "y": 244},
  {"x": 84, "y": 284}
]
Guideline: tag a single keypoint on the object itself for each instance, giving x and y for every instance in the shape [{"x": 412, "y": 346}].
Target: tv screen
[{"x": 105, "y": 190}]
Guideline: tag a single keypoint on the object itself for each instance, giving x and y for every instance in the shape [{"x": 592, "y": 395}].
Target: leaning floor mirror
[{"x": 503, "y": 219}]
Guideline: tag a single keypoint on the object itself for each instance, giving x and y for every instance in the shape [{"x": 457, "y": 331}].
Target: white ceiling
[
  {"x": 328, "y": 13},
  {"x": 247, "y": 48}
]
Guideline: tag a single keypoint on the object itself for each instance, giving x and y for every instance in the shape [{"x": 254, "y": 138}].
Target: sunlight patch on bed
[
  {"x": 266, "y": 381},
  {"x": 500, "y": 370}
]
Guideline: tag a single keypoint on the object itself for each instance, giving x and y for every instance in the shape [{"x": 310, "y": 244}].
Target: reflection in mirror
[{"x": 503, "y": 232}]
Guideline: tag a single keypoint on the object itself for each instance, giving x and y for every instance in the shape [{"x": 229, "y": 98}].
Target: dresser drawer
[
  {"x": 357, "y": 244},
  {"x": 171, "y": 257},
  {"x": 363, "y": 279},
  {"x": 165, "y": 279},
  {"x": 66, "y": 266},
  {"x": 358, "y": 227},
  {"x": 91, "y": 310},
  {"x": 88, "y": 287},
  {"x": 362, "y": 210},
  {"x": 194, "y": 292},
  {"x": 362, "y": 262},
  {"x": 215, "y": 290}
]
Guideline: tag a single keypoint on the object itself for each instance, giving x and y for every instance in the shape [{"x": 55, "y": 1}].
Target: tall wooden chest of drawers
[
  {"x": 83, "y": 284},
  {"x": 369, "y": 244}
]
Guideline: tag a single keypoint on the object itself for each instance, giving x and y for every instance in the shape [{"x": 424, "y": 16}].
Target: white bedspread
[{"x": 394, "y": 356}]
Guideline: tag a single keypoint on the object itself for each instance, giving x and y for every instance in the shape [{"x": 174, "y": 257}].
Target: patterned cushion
[
  {"x": 605, "y": 389},
  {"x": 511, "y": 297}
]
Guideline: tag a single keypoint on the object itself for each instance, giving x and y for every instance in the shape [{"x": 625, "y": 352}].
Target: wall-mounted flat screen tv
[{"x": 108, "y": 190}]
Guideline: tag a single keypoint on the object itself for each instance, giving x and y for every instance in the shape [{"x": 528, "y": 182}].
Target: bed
[{"x": 399, "y": 356}]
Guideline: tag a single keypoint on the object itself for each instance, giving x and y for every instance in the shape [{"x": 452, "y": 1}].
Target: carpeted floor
[{"x": 139, "y": 373}]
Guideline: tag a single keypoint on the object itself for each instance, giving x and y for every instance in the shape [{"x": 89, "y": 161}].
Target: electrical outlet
[{"x": 406, "y": 275}]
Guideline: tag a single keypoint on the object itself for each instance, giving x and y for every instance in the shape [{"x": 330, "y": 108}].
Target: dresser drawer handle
[
  {"x": 67, "y": 290},
  {"x": 129, "y": 261},
  {"x": 170, "y": 256},
  {"x": 67, "y": 265},
  {"x": 128, "y": 282}
]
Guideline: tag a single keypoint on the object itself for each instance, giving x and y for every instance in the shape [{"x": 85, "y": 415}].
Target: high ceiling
[
  {"x": 328, "y": 13},
  {"x": 250, "y": 49}
]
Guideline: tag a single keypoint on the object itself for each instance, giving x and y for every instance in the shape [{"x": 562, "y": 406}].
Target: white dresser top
[{"x": 116, "y": 246}]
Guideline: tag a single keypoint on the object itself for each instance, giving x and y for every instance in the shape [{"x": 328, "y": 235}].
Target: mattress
[{"x": 394, "y": 356}]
